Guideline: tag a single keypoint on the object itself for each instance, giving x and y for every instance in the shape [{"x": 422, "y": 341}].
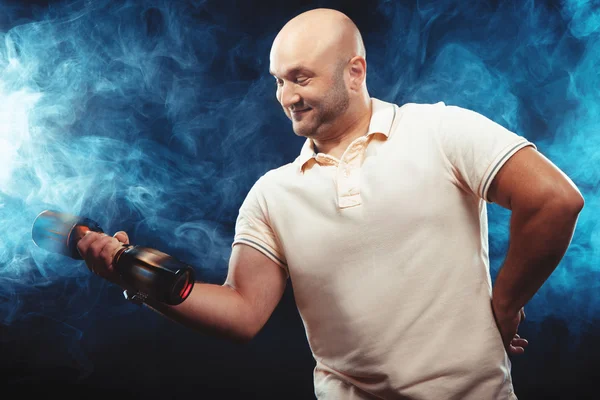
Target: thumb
[{"x": 122, "y": 237}]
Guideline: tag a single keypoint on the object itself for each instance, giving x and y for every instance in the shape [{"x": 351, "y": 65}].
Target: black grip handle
[
  {"x": 156, "y": 274},
  {"x": 148, "y": 271}
]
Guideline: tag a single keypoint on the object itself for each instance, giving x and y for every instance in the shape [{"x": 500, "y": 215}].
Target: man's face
[{"x": 313, "y": 96}]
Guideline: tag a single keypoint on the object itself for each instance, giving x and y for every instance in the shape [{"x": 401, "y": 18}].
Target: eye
[
  {"x": 279, "y": 82},
  {"x": 301, "y": 80}
]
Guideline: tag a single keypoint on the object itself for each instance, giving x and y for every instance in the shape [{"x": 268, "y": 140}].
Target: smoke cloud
[
  {"x": 156, "y": 117},
  {"x": 531, "y": 67},
  {"x": 133, "y": 114}
]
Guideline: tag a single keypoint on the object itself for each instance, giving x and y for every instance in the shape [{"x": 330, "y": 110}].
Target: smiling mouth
[{"x": 300, "y": 112}]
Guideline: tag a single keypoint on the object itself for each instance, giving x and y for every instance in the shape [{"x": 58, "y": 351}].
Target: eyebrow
[{"x": 294, "y": 70}]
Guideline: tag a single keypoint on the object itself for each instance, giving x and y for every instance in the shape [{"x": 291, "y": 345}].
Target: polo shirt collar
[{"x": 382, "y": 117}]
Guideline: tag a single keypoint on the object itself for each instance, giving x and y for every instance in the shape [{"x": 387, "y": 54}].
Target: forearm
[
  {"x": 538, "y": 241},
  {"x": 213, "y": 309}
]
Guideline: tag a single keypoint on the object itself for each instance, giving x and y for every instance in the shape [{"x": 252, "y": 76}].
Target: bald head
[
  {"x": 318, "y": 61},
  {"x": 321, "y": 34}
]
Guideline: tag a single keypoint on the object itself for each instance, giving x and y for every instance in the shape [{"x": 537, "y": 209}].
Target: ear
[{"x": 357, "y": 67}]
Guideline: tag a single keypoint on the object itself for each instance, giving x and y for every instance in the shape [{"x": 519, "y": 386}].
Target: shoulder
[
  {"x": 421, "y": 109},
  {"x": 415, "y": 118},
  {"x": 434, "y": 114},
  {"x": 281, "y": 173},
  {"x": 419, "y": 113},
  {"x": 276, "y": 176}
]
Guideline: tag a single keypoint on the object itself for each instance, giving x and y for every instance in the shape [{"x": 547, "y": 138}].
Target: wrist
[{"x": 504, "y": 309}]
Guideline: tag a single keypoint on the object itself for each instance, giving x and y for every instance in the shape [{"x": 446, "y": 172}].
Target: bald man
[{"x": 380, "y": 224}]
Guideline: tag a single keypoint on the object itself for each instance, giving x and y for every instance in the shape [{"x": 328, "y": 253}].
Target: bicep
[
  {"x": 258, "y": 279},
  {"x": 528, "y": 180}
]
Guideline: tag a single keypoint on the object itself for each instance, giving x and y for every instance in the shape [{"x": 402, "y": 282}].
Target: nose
[{"x": 288, "y": 95}]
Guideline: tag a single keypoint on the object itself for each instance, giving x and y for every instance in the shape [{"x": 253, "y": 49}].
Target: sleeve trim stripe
[
  {"x": 500, "y": 163},
  {"x": 266, "y": 250}
]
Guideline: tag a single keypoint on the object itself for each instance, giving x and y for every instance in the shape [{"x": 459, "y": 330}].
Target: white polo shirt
[{"x": 387, "y": 252}]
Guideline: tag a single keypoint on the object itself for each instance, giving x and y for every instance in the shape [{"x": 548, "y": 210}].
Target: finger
[
  {"x": 519, "y": 342},
  {"x": 122, "y": 237},
  {"x": 84, "y": 243},
  {"x": 84, "y": 247},
  {"x": 93, "y": 258},
  {"x": 515, "y": 350},
  {"x": 107, "y": 254},
  {"x": 522, "y": 312}
]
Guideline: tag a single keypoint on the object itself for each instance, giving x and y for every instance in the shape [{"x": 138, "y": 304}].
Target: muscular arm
[
  {"x": 545, "y": 205},
  {"x": 240, "y": 307}
]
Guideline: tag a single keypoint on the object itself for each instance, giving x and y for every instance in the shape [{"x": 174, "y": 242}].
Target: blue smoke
[
  {"x": 532, "y": 67},
  {"x": 143, "y": 116},
  {"x": 156, "y": 117},
  {"x": 134, "y": 115}
]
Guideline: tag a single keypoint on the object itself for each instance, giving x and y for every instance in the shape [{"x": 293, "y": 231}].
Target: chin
[{"x": 304, "y": 131}]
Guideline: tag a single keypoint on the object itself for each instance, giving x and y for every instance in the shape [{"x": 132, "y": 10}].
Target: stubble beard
[{"x": 332, "y": 106}]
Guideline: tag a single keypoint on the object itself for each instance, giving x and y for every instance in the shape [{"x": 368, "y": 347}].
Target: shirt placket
[{"x": 348, "y": 174}]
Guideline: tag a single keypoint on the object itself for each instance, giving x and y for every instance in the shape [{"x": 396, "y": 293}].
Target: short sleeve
[
  {"x": 253, "y": 227},
  {"x": 476, "y": 147}
]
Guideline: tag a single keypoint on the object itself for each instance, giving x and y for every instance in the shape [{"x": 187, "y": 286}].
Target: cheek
[{"x": 317, "y": 95}]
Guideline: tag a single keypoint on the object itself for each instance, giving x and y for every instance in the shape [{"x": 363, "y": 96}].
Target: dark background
[{"x": 156, "y": 117}]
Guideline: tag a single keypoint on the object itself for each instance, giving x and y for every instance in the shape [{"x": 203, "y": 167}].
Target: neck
[{"x": 354, "y": 126}]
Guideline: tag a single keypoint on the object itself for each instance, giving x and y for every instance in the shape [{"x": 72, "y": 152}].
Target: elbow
[
  {"x": 250, "y": 333},
  {"x": 566, "y": 205},
  {"x": 243, "y": 337},
  {"x": 248, "y": 329},
  {"x": 247, "y": 335},
  {"x": 579, "y": 203},
  {"x": 239, "y": 336},
  {"x": 559, "y": 205},
  {"x": 573, "y": 203}
]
